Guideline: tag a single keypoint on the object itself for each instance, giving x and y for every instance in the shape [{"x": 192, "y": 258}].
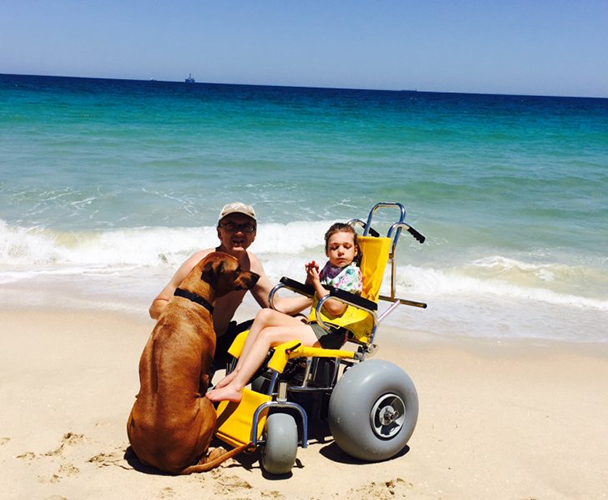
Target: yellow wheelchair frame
[{"x": 264, "y": 416}]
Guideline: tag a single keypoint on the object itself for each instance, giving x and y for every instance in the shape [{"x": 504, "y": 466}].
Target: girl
[{"x": 271, "y": 328}]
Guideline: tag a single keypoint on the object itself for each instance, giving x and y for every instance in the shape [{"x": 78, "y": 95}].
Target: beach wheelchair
[{"x": 370, "y": 406}]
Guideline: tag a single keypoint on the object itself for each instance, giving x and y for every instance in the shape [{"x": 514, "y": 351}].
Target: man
[{"x": 236, "y": 230}]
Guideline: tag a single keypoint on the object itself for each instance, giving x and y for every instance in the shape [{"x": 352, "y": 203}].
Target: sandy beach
[{"x": 497, "y": 420}]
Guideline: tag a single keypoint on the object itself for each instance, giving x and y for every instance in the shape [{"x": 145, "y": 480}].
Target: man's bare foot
[
  {"x": 227, "y": 393},
  {"x": 226, "y": 380}
]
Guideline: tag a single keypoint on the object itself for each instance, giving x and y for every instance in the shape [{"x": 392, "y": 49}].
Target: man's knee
[{"x": 223, "y": 343}]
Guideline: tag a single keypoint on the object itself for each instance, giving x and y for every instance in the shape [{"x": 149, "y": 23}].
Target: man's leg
[{"x": 223, "y": 343}]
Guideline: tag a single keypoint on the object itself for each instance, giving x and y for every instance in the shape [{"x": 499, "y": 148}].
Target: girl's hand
[
  {"x": 312, "y": 264},
  {"x": 312, "y": 273}
]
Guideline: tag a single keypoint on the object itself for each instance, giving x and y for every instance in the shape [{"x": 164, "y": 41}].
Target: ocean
[{"x": 106, "y": 186}]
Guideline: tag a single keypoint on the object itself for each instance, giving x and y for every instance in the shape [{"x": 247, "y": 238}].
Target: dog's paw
[{"x": 215, "y": 453}]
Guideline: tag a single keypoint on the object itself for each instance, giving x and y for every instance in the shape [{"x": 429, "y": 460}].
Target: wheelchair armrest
[
  {"x": 354, "y": 299},
  {"x": 296, "y": 286},
  {"x": 309, "y": 291}
]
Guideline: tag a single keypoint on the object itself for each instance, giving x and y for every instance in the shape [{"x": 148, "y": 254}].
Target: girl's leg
[
  {"x": 258, "y": 324},
  {"x": 267, "y": 338},
  {"x": 265, "y": 318}
]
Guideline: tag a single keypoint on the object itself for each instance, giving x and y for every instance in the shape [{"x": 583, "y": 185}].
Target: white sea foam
[
  {"x": 461, "y": 303},
  {"x": 152, "y": 246},
  {"x": 142, "y": 247},
  {"x": 284, "y": 248},
  {"x": 454, "y": 282},
  {"x": 21, "y": 246},
  {"x": 491, "y": 297}
]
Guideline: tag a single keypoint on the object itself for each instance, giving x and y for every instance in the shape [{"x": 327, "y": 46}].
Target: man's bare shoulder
[
  {"x": 189, "y": 264},
  {"x": 255, "y": 263},
  {"x": 198, "y": 256}
]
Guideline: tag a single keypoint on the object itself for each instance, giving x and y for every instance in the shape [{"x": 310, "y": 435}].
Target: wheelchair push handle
[
  {"x": 396, "y": 229},
  {"x": 378, "y": 206},
  {"x": 417, "y": 235}
]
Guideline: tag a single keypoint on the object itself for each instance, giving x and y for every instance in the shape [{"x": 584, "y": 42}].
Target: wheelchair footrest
[{"x": 235, "y": 420}]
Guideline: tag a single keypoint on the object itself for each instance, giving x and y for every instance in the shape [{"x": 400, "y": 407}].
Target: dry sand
[{"x": 497, "y": 420}]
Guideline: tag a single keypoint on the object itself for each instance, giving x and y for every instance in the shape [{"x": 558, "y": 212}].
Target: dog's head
[{"x": 223, "y": 273}]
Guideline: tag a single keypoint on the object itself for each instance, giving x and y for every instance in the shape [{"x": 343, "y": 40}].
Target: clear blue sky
[{"x": 546, "y": 47}]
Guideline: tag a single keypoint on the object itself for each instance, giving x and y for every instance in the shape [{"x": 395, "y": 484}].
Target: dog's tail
[{"x": 213, "y": 463}]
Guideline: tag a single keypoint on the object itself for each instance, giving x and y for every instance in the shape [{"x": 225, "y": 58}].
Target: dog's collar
[{"x": 194, "y": 298}]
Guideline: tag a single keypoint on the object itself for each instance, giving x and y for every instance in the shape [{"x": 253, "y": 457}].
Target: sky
[{"x": 533, "y": 47}]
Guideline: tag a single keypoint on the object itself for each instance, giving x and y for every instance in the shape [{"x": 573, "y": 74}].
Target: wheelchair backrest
[{"x": 375, "y": 255}]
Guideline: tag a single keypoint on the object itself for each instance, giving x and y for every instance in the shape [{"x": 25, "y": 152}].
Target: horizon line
[{"x": 153, "y": 80}]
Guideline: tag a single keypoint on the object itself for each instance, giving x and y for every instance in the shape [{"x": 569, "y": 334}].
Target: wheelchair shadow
[
  {"x": 333, "y": 452},
  {"x": 253, "y": 462}
]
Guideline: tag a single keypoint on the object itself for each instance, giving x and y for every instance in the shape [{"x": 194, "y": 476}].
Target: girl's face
[{"x": 341, "y": 249}]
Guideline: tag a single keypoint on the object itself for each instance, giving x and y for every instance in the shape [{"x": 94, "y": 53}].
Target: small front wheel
[
  {"x": 281, "y": 447},
  {"x": 373, "y": 410}
]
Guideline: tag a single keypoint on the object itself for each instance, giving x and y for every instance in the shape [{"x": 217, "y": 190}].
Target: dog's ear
[
  {"x": 211, "y": 271},
  {"x": 208, "y": 275}
]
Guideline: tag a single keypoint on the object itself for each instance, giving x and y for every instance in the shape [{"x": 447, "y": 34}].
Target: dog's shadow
[
  {"x": 248, "y": 461},
  {"x": 131, "y": 458}
]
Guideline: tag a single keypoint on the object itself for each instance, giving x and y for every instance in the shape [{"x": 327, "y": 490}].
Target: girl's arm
[
  {"x": 332, "y": 306},
  {"x": 261, "y": 291},
  {"x": 291, "y": 305}
]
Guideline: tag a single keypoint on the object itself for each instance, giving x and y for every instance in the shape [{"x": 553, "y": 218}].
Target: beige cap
[{"x": 237, "y": 208}]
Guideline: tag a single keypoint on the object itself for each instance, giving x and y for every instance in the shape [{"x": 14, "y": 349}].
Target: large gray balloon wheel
[
  {"x": 279, "y": 452},
  {"x": 373, "y": 410}
]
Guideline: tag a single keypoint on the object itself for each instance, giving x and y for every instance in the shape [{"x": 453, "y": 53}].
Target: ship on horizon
[{"x": 190, "y": 79}]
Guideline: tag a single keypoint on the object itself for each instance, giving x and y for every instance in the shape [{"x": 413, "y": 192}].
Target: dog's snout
[
  {"x": 248, "y": 279},
  {"x": 254, "y": 277}
]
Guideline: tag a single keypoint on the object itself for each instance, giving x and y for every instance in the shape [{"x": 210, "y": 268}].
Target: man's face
[{"x": 234, "y": 231}]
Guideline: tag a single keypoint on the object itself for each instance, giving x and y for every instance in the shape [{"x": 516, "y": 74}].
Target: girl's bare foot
[
  {"x": 228, "y": 393},
  {"x": 226, "y": 380}
]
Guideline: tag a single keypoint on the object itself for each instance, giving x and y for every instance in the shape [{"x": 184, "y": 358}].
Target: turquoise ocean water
[{"x": 106, "y": 186}]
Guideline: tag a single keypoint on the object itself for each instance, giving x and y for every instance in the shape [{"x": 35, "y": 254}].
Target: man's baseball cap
[{"x": 237, "y": 208}]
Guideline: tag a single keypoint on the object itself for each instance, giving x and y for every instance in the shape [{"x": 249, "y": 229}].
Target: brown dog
[{"x": 172, "y": 423}]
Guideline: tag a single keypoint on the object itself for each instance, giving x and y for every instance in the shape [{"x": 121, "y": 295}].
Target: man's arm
[
  {"x": 262, "y": 289},
  {"x": 161, "y": 300}
]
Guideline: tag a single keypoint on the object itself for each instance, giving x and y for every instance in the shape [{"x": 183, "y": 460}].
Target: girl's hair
[{"x": 340, "y": 227}]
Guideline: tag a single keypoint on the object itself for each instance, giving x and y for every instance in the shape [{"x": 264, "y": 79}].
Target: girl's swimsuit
[
  {"x": 334, "y": 339},
  {"x": 349, "y": 279}
]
